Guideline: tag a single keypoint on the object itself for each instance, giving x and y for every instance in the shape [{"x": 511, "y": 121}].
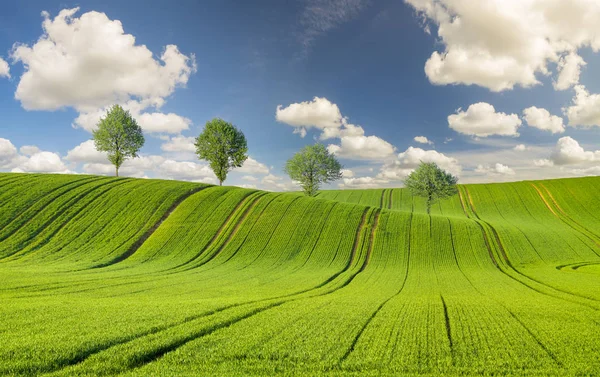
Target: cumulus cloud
[
  {"x": 543, "y": 120},
  {"x": 520, "y": 147},
  {"x": 498, "y": 44},
  {"x": 569, "y": 67},
  {"x": 251, "y": 166},
  {"x": 585, "y": 109},
  {"x": 410, "y": 159},
  {"x": 568, "y": 151},
  {"x": 89, "y": 63},
  {"x": 543, "y": 163},
  {"x": 29, "y": 150},
  {"x": 363, "y": 182},
  {"x": 8, "y": 153},
  {"x": 423, "y": 140},
  {"x": 322, "y": 114},
  {"x": 179, "y": 144},
  {"x": 86, "y": 152},
  {"x": 497, "y": 168},
  {"x": 362, "y": 148},
  {"x": 347, "y": 173},
  {"x": 481, "y": 119},
  {"x": 4, "y": 68},
  {"x": 42, "y": 162},
  {"x": 319, "y": 113},
  {"x": 592, "y": 171}
]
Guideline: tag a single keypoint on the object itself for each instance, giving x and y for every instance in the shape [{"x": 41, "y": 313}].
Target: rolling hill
[{"x": 117, "y": 276}]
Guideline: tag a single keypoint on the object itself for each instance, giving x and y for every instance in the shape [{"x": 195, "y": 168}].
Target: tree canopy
[
  {"x": 119, "y": 135},
  {"x": 431, "y": 182},
  {"x": 312, "y": 166},
  {"x": 223, "y": 145}
]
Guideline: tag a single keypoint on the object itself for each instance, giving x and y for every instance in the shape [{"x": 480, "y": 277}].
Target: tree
[
  {"x": 119, "y": 135},
  {"x": 432, "y": 183},
  {"x": 223, "y": 145},
  {"x": 312, "y": 166}
]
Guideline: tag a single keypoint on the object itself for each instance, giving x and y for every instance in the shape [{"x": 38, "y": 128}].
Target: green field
[{"x": 115, "y": 276}]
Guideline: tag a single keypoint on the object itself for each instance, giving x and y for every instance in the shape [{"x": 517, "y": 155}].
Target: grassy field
[{"x": 115, "y": 276}]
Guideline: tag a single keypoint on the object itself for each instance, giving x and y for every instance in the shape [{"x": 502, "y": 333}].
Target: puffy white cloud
[
  {"x": 29, "y": 150},
  {"x": 592, "y": 171},
  {"x": 186, "y": 170},
  {"x": 163, "y": 123},
  {"x": 300, "y": 131},
  {"x": 568, "y": 151},
  {"x": 251, "y": 166},
  {"x": 42, "y": 162},
  {"x": 498, "y": 44},
  {"x": 542, "y": 119},
  {"x": 4, "y": 68},
  {"x": 363, "y": 182},
  {"x": 347, "y": 173},
  {"x": 8, "y": 153},
  {"x": 319, "y": 113},
  {"x": 481, "y": 119},
  {"x": 89, "y": 62},
  {"x": 277, "y": 183},
  {"x": 346, "y": 129},
  {"x": 497, "y": 168},
  {"x": 423, "y": 140},
  {"x": 87, "y": 152},
  {"x": 585, "y": 109},
  {"x": 250, "y": 178},
  {"x": 543, "y": 163},
  {"x": 179, "y": 144},
  {"x": 569, "y": 67},
  {"x": 362, "y": 148},
  {"x": 521, "y": 147},
  {"x": 410, "y": 159}
]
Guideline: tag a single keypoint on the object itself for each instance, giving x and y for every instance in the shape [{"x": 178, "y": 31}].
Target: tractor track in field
[
  {"x": 254, "y": 198},
  {"x": 75, "y": 184},
  {"x": 565, "y": 218},
  {"x": 382, "y": 305},
  {"x": 504, "y": 257},
  {"x": 276, "y": 302},
  {"x": 382, "y": 200},
  {"x": 58, "y": 213}
]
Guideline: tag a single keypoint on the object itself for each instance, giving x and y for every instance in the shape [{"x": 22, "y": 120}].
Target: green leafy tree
[
  {"x": 119, "y": 135},
  {"x": 312, "y": 166},
  {"x": 432, "y": 183},
  {"x": 223, "y": 145}
]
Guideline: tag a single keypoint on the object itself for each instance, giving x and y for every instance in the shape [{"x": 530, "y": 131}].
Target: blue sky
[{"x": 363, "y": 77}]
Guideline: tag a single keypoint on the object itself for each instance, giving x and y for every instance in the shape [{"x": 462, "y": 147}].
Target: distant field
[{"x": 115, "y": 276}]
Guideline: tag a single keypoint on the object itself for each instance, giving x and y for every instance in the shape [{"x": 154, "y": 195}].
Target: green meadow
[{"x": 103, "y": 276}]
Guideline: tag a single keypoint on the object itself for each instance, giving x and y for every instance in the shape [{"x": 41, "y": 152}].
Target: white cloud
[
  {"x": 300, "y": 131},
  {"x": 521, "y": 148},
  {"x": 362, "y": 148},
  {"x": 179, "y": 144},
  {"x": 319, "y": 113},
  {"x": 42, "y": 162},
  {"x": 163, "y": 123},
  {"x": 423, "y": 140},
  {"x": 86, "y": 152},
  {"x": 89, "y": 62},
  {"x": 8, "y": 153},
  {"x": 498, "y": 44},
  {"x": 481, "y": 119},
  {"x": 410, "y": 159},
  {"x": 277, "y": 183},
  {"x": 542, "y": 119},
  {"x": 543, "y": 163},
  {"x": 568, "y": 151},
  {"x": 497, "y": 168},
  {"x": 585, "y": 110},
  {"x": 363, "y": 182},
  {"x": 29, "y": 150},
  {"x": 186, "y": 170},
  {"x": 593, "y": 171},
  {"x": 250, "y": 178},
  {"x": 347, "y": 173},
  {"x": 251, "y": 166},
  {"x": 4, "y": 68},
  {"x": 569, "y": 67}
]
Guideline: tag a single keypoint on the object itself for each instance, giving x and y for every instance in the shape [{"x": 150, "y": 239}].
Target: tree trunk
[
  {"x": 220, "y": 183},
  {"x": 117, "y": 170}
]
